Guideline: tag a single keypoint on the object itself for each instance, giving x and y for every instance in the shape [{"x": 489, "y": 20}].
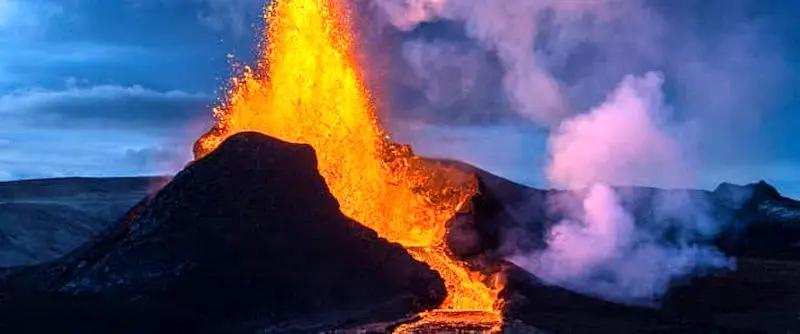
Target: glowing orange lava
[{"x": 308, "y": 88}]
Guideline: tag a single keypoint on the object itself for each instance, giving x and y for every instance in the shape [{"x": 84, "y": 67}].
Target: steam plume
[
  {"x": 600, "y": 249},
  {"x": 620, "y": 142},
  {"x": 571, "y": 67}
]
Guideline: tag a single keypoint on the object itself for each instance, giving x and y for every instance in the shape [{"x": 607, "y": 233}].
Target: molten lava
[{"x": 308, "y": 88}]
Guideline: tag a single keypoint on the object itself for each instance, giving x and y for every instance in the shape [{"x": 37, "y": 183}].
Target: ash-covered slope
[
  {"x": 42, "y": 220},
  {"x": 247, "y": 238}
]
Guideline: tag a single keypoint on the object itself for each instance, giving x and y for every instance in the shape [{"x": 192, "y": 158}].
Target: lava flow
[{"x": 308, "y": 88}]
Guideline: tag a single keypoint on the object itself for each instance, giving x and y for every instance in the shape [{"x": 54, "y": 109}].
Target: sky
[{"x": 112, "y": 88}]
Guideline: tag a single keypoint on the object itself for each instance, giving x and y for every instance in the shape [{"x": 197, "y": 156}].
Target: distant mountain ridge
[
  {"x": 43, "y": 219},
  {"x": 750, "y": 214}
]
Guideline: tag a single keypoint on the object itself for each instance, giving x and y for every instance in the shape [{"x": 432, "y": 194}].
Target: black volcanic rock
[
  {"x": 247, "y": 238},
  {"x": 760, "y": 228},
  {"x": 754, "y": 219},
  {"x": 499, "y": 211},
  {"x": 765, "y": 223}
]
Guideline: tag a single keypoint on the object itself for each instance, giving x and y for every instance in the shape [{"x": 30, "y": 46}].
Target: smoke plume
[
  {"x": 601, "y": 249},
  {"x": 620, "y": 142},
  {"x": 534, "y": 40},
  {"x": 593, "y": 74}
]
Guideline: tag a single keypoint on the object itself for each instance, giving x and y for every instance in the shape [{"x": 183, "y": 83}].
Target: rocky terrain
[
  {"x": 761, "y": 230},
  {"x": 248, "y": 239}
]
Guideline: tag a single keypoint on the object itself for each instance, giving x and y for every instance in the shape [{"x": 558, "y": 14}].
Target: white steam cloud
[
  {"x": 620, "y": 142},
  {"x": 601, "y": 250}
]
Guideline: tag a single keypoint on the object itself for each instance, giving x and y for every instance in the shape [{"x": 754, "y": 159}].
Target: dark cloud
[
  {"x": 464, "y": 90},
  {"x": 129, "y": 107},
  {"x": 719, "y": 59}
]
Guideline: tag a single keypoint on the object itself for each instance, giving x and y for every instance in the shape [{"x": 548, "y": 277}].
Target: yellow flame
[{"x": 308, "y": 89}]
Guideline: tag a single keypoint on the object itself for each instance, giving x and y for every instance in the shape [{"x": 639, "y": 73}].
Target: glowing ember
[{"x": 308, "y": 89}]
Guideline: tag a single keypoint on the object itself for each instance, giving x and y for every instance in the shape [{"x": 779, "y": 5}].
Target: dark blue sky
[{"x": 95, "y": 87}]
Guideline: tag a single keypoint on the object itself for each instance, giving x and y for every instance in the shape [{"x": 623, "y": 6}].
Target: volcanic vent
[{"x": 308, "y": 88}]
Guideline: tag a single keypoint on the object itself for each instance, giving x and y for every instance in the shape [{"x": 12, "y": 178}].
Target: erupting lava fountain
[{"x": 308, "y": 88}]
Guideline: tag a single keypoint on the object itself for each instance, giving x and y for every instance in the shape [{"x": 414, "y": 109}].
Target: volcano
[
  {"x": 247, "y": 238},
  {"x": 300, "y": 214}
]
